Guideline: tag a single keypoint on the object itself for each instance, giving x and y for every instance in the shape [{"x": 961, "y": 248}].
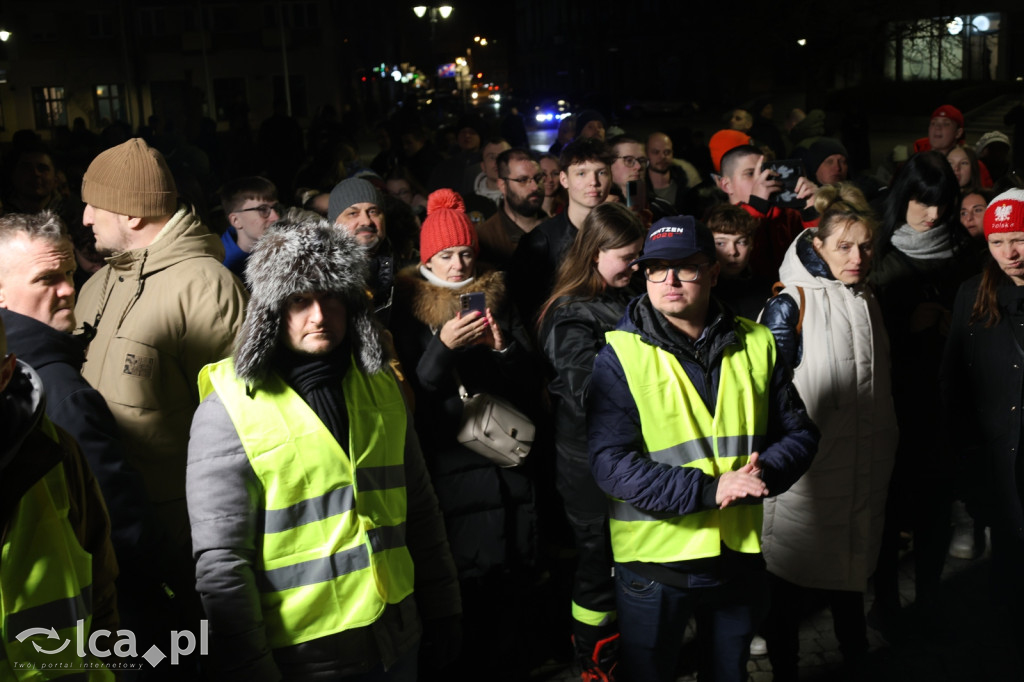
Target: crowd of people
[{"x": 235, "y": 404}]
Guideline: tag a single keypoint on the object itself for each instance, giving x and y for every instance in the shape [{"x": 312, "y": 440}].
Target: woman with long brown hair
[
  {"x": 589, "y": 297},
  {"x": 981, "y": 379}
]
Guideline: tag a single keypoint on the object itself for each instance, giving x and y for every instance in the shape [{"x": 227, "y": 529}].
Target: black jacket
[
  {"x": 907, "y": 289},
  {"x": 982, "y": 379},
  {"x": 745, "y": 294},
  {"x": 75, "y": 406},
  {"x": 677, "y": 174},
  {"x": 489, "y": 512},
  {"x": 571, "y": 335},
  {"x": 28, "y": 451},
  {"x": 535, "y": 263}
]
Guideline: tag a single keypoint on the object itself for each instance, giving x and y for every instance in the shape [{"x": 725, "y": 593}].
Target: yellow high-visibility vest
[
  {"x": 333, "y": 552},
  {"x": 45, "y": 587},
  {"x": 678, "y": 429}
]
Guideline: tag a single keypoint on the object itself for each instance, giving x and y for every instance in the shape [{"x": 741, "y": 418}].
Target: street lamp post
[{"x": 443, "y": 11}]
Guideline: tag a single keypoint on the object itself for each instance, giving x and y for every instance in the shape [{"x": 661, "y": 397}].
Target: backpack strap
[{"x": 777, "y": 289}]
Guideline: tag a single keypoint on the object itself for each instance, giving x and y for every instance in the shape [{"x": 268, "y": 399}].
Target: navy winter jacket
[
  {"x": 617, "y": 458},
  {"x": 79, "y": 409}
]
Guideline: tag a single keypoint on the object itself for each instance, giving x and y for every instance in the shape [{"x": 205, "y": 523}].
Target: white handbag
[{"x": 495, "y": 429}]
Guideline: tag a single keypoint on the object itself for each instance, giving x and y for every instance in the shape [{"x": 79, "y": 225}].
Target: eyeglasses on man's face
[
  {"x": 685, "y": 272},
  {"x": 263, "y": 209},
  {"x": 633, "y": 161},
  {"x": 526, "y": 179}
]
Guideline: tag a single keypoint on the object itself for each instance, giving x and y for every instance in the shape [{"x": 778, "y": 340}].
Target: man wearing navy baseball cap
[{"x": 691, "y": 424}]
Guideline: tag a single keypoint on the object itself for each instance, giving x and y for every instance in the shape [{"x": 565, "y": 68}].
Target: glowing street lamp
[{"x": 432, "y": 14}]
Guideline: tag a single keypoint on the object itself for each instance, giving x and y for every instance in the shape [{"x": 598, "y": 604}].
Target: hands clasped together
[{"x": 744, "y": 482}]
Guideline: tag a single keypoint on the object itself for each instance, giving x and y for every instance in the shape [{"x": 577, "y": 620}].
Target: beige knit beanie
[{"x": 131, "y": 179}]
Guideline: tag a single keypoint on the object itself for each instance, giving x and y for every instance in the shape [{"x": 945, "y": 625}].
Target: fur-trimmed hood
[
  {"x": 300, "y": 257},
  {"x": 434, "y": 305}
]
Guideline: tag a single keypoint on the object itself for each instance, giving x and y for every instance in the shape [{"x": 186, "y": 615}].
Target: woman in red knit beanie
[{"x": 489, "y": 511}]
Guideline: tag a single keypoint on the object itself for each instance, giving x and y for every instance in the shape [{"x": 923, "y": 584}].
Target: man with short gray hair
[{"x": 37, "y": 300}]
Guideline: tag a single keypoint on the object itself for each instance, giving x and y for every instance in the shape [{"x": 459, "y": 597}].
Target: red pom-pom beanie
[{"x": 446, "y": 225}]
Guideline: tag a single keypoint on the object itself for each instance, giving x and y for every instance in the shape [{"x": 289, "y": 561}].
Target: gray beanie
[
  {"x": 305, "y": 256},
  {"x": 351, "y": 191}
]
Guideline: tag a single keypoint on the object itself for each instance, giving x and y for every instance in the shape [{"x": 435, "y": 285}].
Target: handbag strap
[{"x": 463, "y": 393}]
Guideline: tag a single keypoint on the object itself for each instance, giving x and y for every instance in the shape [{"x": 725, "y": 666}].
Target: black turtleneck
[{"x": 317, "y": 379}]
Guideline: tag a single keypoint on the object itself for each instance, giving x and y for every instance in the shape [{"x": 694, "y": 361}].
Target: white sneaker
[
  {"x": 962, "y": 545},
  {"x": 758, "y": 647}
]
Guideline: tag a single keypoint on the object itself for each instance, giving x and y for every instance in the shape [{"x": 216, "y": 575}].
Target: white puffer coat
[{"x": 825, "y": 531}]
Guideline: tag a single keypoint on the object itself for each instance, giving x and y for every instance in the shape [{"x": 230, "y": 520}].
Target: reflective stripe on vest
[
  {"x": 679, "y": 430},
  {"x": 45, "y": 585},
  {"x": 333, "y": 551}
]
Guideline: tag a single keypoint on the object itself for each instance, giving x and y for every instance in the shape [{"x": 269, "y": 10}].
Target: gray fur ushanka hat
[{"x": 302, "y": 257}]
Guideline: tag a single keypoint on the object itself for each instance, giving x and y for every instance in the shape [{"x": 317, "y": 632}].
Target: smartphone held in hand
[{"x": 474, "y": 301}]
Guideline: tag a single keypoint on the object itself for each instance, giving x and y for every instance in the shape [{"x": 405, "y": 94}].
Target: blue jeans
[{"x": 653, "y": 617}]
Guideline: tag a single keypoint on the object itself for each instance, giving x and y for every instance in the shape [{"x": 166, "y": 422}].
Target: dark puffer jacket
[
  {"x": 571, "y": 335},
  {"x": 489, "y": 512}
]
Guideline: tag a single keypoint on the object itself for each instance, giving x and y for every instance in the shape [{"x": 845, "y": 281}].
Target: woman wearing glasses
[
  {"x": 589, "y": 298},
  {"x": 823, "y": 534},
  {"x": 630, "y": 164}
]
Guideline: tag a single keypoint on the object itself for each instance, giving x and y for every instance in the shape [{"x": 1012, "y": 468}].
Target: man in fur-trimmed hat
[{"x": 304, "y": 471}]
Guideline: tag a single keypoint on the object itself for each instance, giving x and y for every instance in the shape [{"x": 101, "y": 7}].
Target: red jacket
[{"x": 778, "y": 228}]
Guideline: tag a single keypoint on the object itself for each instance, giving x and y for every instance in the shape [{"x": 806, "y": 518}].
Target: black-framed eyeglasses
[
  {"x": 263, "y": 209},
  {"x": 687, "y": 272},
  {"x": 526, "y": 179},
  {"x": 632, "y": 161}
]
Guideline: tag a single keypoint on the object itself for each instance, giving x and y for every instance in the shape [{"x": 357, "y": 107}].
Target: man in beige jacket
[{"x": 160, "y": 309}]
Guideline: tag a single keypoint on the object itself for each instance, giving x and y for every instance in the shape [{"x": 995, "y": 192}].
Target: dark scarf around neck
[{"x": 318, "y": 380}]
